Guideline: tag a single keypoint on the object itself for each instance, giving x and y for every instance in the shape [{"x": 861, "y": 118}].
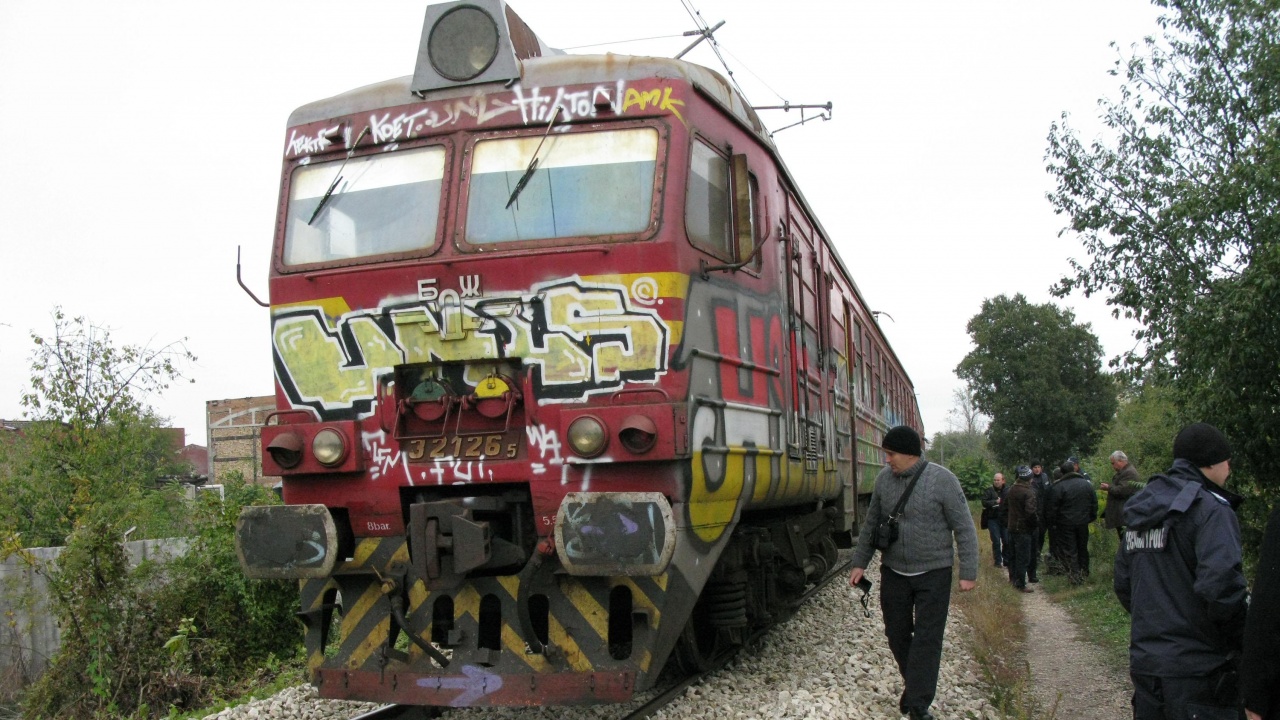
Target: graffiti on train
[
  {"x": 734, "y": 349},
  {"x": 582, "y": 338}
]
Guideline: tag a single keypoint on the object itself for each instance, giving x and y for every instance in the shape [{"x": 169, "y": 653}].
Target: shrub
[{"x": 138, "y": 641}]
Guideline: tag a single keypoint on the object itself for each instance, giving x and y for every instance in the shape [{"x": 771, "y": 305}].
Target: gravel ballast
[{"x": 829, "y": 661}]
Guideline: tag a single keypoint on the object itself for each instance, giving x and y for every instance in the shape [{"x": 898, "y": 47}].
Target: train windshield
[
  {"x": 374, "y": 205},
  {"x": 584, "y": 184}
]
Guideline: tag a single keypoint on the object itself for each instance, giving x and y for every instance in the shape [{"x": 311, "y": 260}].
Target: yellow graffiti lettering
[
  {"x": 711, "y": 511},
  {"x": 593, "y": 337},
  {"x": 317, "y": 361},
  {"x": 423, "y": 341},
  {"x": 659, "y": 98},
  {"x": 630, "y": 342}
]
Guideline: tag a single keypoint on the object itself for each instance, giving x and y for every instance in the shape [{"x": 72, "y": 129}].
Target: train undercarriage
[{"x": 470, "y": 607}]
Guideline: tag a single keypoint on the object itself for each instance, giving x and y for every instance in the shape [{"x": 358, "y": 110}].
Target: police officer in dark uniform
[{"x": 1178, "y": 573}]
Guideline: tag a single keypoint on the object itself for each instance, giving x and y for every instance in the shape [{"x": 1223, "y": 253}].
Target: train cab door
[{"x": 806, "y": 439}]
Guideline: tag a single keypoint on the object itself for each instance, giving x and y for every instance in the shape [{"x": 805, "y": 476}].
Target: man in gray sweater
[{"x": 915, "y": 571}]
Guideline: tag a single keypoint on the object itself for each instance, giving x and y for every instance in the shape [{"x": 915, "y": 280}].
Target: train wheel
[{"x": 701, "y": 643}]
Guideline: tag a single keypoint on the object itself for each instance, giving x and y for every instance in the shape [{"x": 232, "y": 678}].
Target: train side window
[{"x": 707, "y": 218}]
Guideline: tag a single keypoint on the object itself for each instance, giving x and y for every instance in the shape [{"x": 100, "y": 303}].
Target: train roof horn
[{"x": 473, "y": 41}]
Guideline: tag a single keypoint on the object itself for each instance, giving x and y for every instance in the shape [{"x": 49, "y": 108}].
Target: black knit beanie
[
  {"x": 1202, "y": 444},
  {"x": 902, "y": 440}
]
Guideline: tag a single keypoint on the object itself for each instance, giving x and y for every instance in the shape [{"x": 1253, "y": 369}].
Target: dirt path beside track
[{"x": 1069, "y": 676}]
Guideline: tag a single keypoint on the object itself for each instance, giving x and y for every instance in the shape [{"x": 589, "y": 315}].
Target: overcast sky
[{"x": 143, "y": 144}]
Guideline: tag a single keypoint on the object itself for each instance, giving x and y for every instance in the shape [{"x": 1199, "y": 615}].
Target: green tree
[
  {"x": 1039, "y": 376},
  {"x": 94, "y": 441},
  {"x": 1146, "y": 422},
  {"x": 1178, "y": 208}
]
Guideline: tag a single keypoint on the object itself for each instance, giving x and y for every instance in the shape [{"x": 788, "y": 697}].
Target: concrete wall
[
  {"x": 235, "y": 432},
  {"x": 30, "y": 633}
]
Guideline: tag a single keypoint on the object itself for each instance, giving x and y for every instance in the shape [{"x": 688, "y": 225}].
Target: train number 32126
[{"x": 459, "y": 446}]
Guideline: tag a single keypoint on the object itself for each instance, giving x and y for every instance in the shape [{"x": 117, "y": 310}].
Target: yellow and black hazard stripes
[
  {"x": 317, "y": 597},
  {"x": 575, "y": 615},
  {"x": 366, "y": 621},
  {"x": 646, "y": 594},
  {"x": 377, "y": 554},
  {"x": 577, "y": 621}
]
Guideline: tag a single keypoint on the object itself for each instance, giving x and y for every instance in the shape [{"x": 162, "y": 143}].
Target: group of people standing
[
  {"x": 1019, "y": 518},
  {"x": 1198, "y": 647}
]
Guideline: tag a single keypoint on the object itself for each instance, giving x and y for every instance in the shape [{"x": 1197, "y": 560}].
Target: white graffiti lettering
[
  {"x": 404, "y": 125},
  {"x": 537, "y": 107},
  {"x": 547, "y": 442},
  {"x": 311, "y": 144},
  {"x": 383, "y": 458}
]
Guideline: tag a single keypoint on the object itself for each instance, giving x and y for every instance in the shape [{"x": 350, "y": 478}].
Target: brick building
[{"x": 235, "y": 432}]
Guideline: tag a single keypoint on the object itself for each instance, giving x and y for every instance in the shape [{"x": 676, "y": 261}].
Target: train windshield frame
[
  {"x": 594, "y": 185},
  {"x": 370, "y": 205}
]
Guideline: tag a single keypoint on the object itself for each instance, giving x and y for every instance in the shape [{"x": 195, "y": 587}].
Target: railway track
[{"x": 665, "y": 697}]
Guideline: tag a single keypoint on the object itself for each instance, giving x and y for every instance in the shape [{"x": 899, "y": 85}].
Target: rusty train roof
[
  {"x": 564, "y": 69},
  {"x": 547, "y": 71}
]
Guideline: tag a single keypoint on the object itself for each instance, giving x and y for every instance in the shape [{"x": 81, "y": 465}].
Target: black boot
[{"x": 920, "y": 714}]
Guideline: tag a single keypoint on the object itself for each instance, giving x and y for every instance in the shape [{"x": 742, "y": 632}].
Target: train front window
[
  {"x": 373, "y": 205},
  {"x": 584, "y": 184}
]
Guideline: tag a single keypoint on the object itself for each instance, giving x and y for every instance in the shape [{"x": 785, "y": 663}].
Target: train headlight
[
  {"x": 463, "y": 43},
  {"x": 286, "y": 449},
  {"x": 587, "y": 436},
  {"x": 329, "y": 447}
]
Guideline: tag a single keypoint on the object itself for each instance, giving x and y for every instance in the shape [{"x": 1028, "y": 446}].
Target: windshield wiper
[
  {"x": 533, "y": 161},
  {"x": 338, "y": 178}
]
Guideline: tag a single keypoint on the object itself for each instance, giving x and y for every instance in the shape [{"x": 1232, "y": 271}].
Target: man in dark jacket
[
  {"x": 1260, "y": 667},
  {"x": 1178, "y": 573},
  {"x": 1072, "y": 504},
  {"x": 1040, "y": 482},
  {"x": 1020, "y": 503},
  {"x": 1123, "y": 485},
  {"x": 995, "y": 515}
]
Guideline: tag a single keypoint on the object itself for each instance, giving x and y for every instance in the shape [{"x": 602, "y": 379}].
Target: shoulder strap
[{"x": 902, "y": 501}]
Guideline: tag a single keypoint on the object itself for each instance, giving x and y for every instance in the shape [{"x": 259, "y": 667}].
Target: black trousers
[
  {"x": 1181, "y": 698},
  {"x": 1037, "y": 547},
  {"x": 1022, "y": 559},
  {"x": 915, "y": 619},
  {"x": 1073, "y": 547}
]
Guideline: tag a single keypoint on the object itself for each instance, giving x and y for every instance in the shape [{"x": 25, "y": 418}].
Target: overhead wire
[
  {"x": 704, "y": 28},
  {"x": 755, "y": 75},
  {"x": 622, "y": 42}
]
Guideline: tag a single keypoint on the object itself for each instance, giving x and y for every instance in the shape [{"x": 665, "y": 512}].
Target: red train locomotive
[{"x": 570, "y": 381}]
